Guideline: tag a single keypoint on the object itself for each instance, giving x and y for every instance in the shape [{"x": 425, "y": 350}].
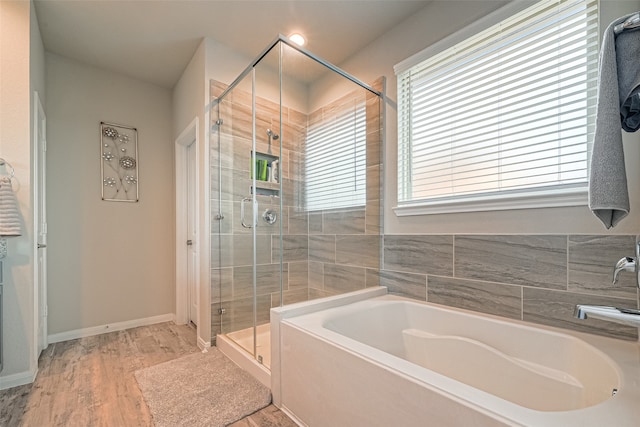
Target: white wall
[
  {"x": 37, "y": 58},
  {"x": 223, "y": 63},
  {"x": 108, "y": 261},
  {"x": 188, "y": 95},
  {"x": 433, "y": 23},
  {"x": 21, "y": 72},
  {"x": 189, "y": 100}
]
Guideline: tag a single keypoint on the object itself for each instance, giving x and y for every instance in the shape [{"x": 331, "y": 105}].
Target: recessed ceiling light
[{"x": 297, "y": 39}]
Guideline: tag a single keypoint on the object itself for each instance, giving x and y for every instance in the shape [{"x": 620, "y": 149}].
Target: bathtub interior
[{"x": 531, "y": 367}]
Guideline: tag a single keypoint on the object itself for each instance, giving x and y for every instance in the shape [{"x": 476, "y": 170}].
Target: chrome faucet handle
[
  {"x": 629, "y": 264},
  {"x": 624, "y": 264}
]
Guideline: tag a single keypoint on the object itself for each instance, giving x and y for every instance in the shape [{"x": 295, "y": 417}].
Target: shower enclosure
[{"x": 296, "y": 159}]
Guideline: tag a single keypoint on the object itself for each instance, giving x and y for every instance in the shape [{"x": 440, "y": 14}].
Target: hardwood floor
[{"x": 90, "y": 381}]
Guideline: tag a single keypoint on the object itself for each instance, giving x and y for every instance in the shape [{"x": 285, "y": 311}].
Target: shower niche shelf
[
  {"x": 267, "y": 169},
  {"x": 267, "y": 189}
]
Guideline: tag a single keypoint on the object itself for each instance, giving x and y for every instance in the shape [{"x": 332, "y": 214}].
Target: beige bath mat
[{"x": 202, "y": 389}]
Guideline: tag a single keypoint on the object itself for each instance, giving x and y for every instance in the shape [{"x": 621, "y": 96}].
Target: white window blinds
[
  {"x": 510, "y": 110},
  {"x": 336, "y": 159}
]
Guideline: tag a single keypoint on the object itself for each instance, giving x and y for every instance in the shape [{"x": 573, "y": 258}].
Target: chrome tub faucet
[
  {"x": 613, "y": 314},
  {"x": 625, "y": 316}
]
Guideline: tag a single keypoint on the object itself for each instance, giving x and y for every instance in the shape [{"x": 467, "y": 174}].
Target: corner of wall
[{"x": 189, "y": 100}]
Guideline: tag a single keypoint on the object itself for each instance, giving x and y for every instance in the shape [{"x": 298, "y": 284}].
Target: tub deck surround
[
  {"x": 478, "y": 370},
  {"x": 536, "y": 278}
]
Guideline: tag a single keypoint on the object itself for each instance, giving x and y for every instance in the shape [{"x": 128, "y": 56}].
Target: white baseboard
[
  {"x": 203, "y": 345},
  {"x": 14, "y": 380},
  {"x": 111, "y": 327}
]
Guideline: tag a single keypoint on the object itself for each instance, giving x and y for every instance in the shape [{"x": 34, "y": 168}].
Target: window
[
  {"x": 503, "y": 119},
  {"x": 336, "y": 158}
]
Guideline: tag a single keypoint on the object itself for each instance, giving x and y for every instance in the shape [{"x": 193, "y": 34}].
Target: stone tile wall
[{"x": 535, "y": 278}]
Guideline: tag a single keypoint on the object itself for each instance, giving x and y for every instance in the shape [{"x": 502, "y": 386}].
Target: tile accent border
[{"x": 535, "y": 278}]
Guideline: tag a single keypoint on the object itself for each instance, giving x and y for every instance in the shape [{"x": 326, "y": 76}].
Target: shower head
[{"x": 272, "y": 135}]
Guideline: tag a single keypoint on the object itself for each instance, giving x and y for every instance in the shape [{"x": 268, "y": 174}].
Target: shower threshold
[
  {"x": 238, "y": 346},
  {"x": 244, "y": 338}
]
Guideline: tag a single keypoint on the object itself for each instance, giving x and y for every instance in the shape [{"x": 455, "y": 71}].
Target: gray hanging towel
[
  {"x": 9, "y": 212},
  {"x": 628, "y": 59},
  {"x": 618, "y": 107}
]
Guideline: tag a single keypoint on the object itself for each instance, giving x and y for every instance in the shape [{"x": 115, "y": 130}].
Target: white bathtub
[{"x": 391, "y": 361}]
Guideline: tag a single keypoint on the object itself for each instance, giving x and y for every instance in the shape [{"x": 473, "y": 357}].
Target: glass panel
[
  {"x": 267, "y": 195},
  {"x": 332, "y": 186},
  {"x": 295, "y": 239}
]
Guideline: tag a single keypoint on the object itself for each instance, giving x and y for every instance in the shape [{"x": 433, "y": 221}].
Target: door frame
[
  {"x": 39, "y": 149},
  {"x": 188, "y": 136}
]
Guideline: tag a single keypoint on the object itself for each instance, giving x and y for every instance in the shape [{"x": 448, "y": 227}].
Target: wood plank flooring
[
  {"x": 90, "y": 381},
  {"x": 267, "y": 417}
]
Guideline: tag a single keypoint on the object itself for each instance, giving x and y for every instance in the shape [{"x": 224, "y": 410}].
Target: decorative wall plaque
[{"x": 119, "y": 162}]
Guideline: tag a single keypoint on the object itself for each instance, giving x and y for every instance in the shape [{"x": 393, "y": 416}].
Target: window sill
[{"x": 537, "y": 200}]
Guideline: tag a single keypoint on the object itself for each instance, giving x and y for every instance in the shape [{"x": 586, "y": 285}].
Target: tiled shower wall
[
  {"x": 324, "y": 253},
  {"x": 535, "y": 278}
]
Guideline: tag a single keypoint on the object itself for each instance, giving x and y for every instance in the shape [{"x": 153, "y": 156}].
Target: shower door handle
[{"x": 244, "y": 224}]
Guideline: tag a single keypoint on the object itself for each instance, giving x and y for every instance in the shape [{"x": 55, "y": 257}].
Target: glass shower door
[
  {"x": 233, "y": 248},
  {"x": 246, "y": 193}
]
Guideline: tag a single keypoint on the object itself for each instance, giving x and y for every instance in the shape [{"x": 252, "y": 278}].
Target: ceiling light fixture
[{"x": 297, "y": 38}]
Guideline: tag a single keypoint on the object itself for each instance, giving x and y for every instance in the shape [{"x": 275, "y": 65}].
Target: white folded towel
[
  {"x": 9, "y": 212},
  {"x": 618, "y": 97}
]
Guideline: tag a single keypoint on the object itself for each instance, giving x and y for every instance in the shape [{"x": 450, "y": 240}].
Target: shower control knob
[{"x": 269, "y": 216}]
